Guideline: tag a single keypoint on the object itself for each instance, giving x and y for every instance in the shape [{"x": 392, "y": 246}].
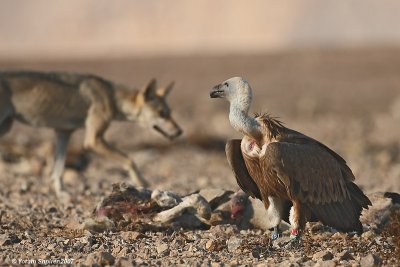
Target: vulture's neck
[{"x": 240, "y": 119}]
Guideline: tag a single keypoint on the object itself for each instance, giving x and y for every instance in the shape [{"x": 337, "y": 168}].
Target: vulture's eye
[{"x": 226, "y": 84}]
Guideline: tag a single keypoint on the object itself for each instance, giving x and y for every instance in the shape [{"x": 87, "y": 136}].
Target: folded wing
[
  {"x": 320, "y": 179},
  {"x": 236, "y": 161}
]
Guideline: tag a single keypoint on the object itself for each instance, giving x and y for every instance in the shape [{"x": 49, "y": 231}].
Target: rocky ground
[{"x": 349, "y": 100}]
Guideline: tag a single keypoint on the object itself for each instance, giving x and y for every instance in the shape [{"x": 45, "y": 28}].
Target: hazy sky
[{"x": 103, "y": 28}]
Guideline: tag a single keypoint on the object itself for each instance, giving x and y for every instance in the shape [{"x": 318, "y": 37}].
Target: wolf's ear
[
  {"x": 164, "y": 91},
  {"x": 149, "y": 91}
]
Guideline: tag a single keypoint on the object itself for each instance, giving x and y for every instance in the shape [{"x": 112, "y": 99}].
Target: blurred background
[
  {"x": 47, "y": 29},
  {"x": 330, "y": 69}
]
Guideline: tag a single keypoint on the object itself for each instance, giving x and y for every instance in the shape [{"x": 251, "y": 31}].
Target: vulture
[{"x": 283, "y": 167}]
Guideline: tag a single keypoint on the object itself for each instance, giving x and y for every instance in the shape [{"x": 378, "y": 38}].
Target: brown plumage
[{"x": 287, "y": 166}]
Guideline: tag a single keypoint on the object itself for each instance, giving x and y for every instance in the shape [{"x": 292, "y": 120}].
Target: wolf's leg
[
  {"x": 62, "y": 139},
  {"x": 6, "y": 110},
  {"x": 5, "y": 125},
  {"x": 94, "y": 140}
]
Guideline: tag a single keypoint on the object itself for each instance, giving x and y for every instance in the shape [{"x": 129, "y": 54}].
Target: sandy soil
[{"x": 349, "y": 100}]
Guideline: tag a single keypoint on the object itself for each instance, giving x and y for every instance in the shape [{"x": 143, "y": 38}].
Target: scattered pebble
[
  {"x": 234, "y": 243},
  {"x": 370, "y": 260},
  {"x": 323, "y": 255},
  {"x": 162, "y": 248}
]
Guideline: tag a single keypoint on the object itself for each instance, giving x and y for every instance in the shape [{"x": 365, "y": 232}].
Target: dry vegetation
[{"x": 349, "y": 100}]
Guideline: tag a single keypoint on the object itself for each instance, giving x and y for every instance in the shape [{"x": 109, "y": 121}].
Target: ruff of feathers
[{"x": 272, "y": 124}]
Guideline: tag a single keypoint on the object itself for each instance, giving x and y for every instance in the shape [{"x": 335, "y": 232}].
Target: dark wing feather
[
  {"x": 294, "y": 137},
  {"x": 316, "y": 177},
  {"x": 236, "y": 161}
]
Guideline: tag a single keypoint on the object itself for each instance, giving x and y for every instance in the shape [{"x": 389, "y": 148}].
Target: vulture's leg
[
  {"x": 275, "y": 212},
  {"x": 276, "y": 233},
  {"x": 296, "y": 220}
]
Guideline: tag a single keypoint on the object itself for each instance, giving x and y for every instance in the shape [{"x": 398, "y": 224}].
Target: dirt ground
[{"x": 347, "y": 99}]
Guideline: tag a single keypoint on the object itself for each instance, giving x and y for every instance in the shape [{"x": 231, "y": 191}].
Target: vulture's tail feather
[{"x": 343, "y": 215}]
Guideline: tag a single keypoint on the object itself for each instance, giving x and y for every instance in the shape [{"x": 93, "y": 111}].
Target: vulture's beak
[{"x": 217, "y": 92}]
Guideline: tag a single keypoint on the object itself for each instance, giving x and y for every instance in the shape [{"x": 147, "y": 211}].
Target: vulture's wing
[
  {"x": 236, "y": 161},
  {"x": 315, "y": 176},
  {"x": 292, "y": 136}
]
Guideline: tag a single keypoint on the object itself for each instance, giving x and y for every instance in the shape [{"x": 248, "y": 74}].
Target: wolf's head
[{"x": 149, "y": 107}]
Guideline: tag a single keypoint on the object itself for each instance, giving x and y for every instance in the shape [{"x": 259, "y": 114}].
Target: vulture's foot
[
  {"x": 295, "y": 234},
  {"x": 276, "y": 233}
]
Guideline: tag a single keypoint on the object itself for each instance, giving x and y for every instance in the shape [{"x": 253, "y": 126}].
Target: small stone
[
  {"x": 390, "y": 241},
  {"x": 317, "y": 237},
  {"x": 12, "y": 239},
  {"x": 231, "y": 229},
  {"x": 345, "y": 255},
  {"x": 84, "y": 239},
  {"x": 338, "y": 235},
  {"x": 52, "y": 209},
  {"x": 25, "y": 187},
  {"x": 116, "y": 250},
  {"x": 223, "y": 229},
  {"x": 99, "y": 258},
  {"x": 123, "y": 262},
  {"x": 99, "y": 225},
  {"x": 287, "y": 263},
  {"x": 254, "y": 254},
  {"x": 234, "y": 243},
  {"x": 316, "y": 227},
  {"x": 210, "y": 245},
  {"x": 323, "y": 255},
  {"x": 370, "y": 260},
  {"x": 51, "y": 246},
  {"x": 368, "y": 234},
  {"x": 106, "y": 258},
  {"x": 233, "y": 263},
  {"x": 328, "y": 263},
  {"x": 309, "y": 263},
  {"x": 128, "y": 236},
  {"x": 281, "y": 242},
  {"x": 162, "y": 248},
  {"x": 3, "y": 239},
  {"x": 378, "y": 240},
  {"x": 124, "y": 251}
]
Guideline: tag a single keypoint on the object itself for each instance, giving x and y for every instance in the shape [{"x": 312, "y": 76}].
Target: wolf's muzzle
[{"x": 169, "y": 136}]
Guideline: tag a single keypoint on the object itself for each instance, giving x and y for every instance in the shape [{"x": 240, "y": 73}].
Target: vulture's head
[
  {"x": 235, "y": 88},
  {"x": 238, "y": 203}
]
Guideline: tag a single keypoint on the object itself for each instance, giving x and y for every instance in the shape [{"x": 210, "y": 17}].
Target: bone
[
  {"x": 165, "y": 199},
  {"x": 194, "y": 204}
]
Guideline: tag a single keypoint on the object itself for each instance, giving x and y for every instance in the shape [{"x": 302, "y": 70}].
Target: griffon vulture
[{"x": 281, "y": 166}]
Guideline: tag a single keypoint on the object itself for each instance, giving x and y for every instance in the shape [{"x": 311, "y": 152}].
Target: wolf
[{"x": 68, "y": 101}]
